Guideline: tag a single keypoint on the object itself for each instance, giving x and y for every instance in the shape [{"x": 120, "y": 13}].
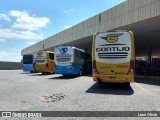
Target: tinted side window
[
  {"x": 82, "y": 55},
  {"x": 51, "y": 56},
  {"x": 79, "y": 54}
]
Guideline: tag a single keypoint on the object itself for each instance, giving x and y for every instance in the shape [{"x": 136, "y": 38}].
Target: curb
[{"x": 147, "y": 77}]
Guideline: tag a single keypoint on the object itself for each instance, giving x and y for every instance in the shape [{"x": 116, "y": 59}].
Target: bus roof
[
  {"x": 45, "y": 51},
  {"x": 113, "y": 31}
]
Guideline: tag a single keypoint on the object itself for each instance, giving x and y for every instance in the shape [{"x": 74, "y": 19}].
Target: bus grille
[
  {"x": 113, "y": 55},
  {"x": 63, "y": 59},
  {"x": 39, "y": 61}
]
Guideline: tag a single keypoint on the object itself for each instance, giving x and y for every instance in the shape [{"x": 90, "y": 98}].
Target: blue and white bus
[
  {"x": 72, "y": 61},
  {"x": 27, "y": 63}
]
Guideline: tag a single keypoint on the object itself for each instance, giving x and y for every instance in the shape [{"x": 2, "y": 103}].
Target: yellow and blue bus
[
  {"x": 44, "y": 61},
  {"x": 27, "y": 63},
  {"x": 72, "y": 61},
  {"x": 113, "y": 56}
]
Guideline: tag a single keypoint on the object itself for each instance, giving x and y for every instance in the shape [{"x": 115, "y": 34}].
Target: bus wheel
[
  {"x": 31, "y": 72},
  {"x": 43, "y": 73},
  {"x": 65, "y": 75}
]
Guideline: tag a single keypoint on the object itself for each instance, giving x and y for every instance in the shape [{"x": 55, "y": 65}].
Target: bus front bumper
[
  {"x": 67, "y": 72},
  {"x": 113, "y": 78},
  {"x": 43, "y": 69}
]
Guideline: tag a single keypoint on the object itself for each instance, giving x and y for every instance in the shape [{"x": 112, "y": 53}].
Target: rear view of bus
[
  {"x": 64, "y": 60},
  {"x": 113, "y": 56},
  {"x": 28, "y": 63},
  {"x": 44, "y": 61}
]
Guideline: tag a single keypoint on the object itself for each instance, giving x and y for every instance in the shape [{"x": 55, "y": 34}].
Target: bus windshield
[{"x": 27, "y": 59}]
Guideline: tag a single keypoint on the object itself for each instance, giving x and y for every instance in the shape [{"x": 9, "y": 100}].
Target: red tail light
[
  {"x": 131, "y": 68},
  {"x": 96, "y": 33},
  {"x": 72, "y": 66},
  {"x": 46, "y": 64},
  {"x": 94, "y": 67}
]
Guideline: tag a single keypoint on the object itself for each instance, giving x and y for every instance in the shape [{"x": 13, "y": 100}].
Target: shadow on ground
[
  {"x": 148, "y": 81},
  {"x": 64, "y": 77},
  {"x": 111, "y": 88},
  {"x": 25, "y": 73},
  {"x": 40, "y": 74}
]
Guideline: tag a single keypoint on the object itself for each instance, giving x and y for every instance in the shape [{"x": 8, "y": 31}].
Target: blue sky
[{"x": 25, "y": 22}]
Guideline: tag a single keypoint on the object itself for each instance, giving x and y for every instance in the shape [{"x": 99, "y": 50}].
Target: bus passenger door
[{"x": 51, "y": 62}]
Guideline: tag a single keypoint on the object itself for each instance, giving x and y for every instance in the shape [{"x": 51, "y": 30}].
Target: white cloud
[
  {"x": 23, "y": 26},
  {"x": 2, "y": 40},
  {"x": 17, "y": 13},
  {"x": 3, "y": 54},
  {"x": 5, "y": 17},
  {"x": 66, "y": 27},
  {"x": 17, "y": 34},
  {"x": 25, "y": 21},
  {"x": 69, "y": 11},
  {"x": 30, "y": 43},
  {"x": 14, "y": 49},
  {"x": 11, "y": 54}
]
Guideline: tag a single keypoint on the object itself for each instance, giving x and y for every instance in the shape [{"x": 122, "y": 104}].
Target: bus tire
[
  {"x": 64, "y": 75},
  {"x": 43, "y": 73}
]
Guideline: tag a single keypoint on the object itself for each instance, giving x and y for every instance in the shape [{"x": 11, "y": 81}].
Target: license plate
[{"x": 112, "y": 78}]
